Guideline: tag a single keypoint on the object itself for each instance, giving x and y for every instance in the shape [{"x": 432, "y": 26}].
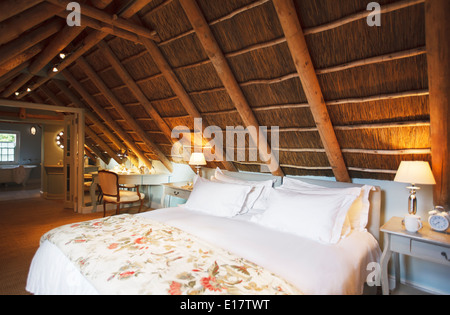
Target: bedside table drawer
[
  {"x": 183, "y": 194},
  {"x": 435, "y": 253}
]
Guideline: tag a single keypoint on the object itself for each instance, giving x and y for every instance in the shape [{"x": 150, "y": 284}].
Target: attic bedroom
[{"x": 243, "y": 147}]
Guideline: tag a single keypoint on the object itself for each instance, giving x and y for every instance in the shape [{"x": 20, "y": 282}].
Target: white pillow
[
  {"x": 219, "y": 199},
  {"x": 358, "y": 214},
  {"x": 257, "y": 197},
  {"x": 313, "y": 216}
]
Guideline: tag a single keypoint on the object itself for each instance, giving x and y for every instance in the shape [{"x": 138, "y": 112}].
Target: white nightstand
[
  {"x": 425, "y": 244},
  {"x": 179, "y": 190}
]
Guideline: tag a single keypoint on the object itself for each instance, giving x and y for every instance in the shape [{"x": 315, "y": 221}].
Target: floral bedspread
[{"x": 128, "y": 254}]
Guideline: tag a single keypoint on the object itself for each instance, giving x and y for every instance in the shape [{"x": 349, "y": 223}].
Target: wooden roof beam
[
  {"x": 135, "y": 89},
  {"x": 19, "y": 24},
  {"x": 297, "y": 45},
  {"x": 88, "y": 130},
  {"x": 90, "y": 115},
  {"x": 437, "y": 32},
  {"x": 112, "y": 20},
  {"x": 215, "y": 54},
  {"x": 9, "y": 8},
  {"x": 103, "y": 114},
  {"x": 90, "y": 41},
  {"x": 112, "y": 99},
  {"x": 54, "y": 47},
  {"x": 177, "y": 87}
]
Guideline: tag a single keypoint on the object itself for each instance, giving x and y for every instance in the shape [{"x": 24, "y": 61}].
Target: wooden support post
[
  {"x": 437, "y": 33},
  {"x": 229, "y": 81},
  {"x": 299, "y": 50}
]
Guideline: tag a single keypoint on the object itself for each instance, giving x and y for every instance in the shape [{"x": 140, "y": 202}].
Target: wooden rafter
[
  {"x": 27, "y": 41},
  {"x": 228, "y": 79},
  {"x": 17, "y": 25},
  {"x": 297, "y": 45},
  {"x": 437, "y": 31},
  {"x": 55, "y": 99},
  {"x": 90, "y": 115},
  {"x": 178, "y": 88},
  {"x": 113, "y": 21},
  {"x": 54, "y": 47},
  {"x": 112, "y": 99},
  {"x": 103, "y": 114},
  {"x": 135, "y": 89},
  {"x": 90, "y": 41},
  {"x": 9, "y": 8}
]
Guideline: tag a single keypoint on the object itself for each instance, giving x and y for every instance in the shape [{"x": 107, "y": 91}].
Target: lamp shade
[
  {"x": 197, "y": 159},
  {"x": 415, "y": 172}
]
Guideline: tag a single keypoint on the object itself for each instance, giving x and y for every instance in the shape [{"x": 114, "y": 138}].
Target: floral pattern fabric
[{"x": 128, "y": 254}]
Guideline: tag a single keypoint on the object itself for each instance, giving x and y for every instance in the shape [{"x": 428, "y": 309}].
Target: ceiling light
[
  {"x": 28, "y": 90},
  {"x": 55, "y": 69},
  {"x": 62, "y": 55},
  {"x": 17, "y": 93}
]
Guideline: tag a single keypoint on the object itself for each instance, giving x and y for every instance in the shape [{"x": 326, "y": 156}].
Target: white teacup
[{"x": 413, "y": 223}]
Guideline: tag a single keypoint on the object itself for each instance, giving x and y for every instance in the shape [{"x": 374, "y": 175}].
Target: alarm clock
[{"x": 439, "y": 220}]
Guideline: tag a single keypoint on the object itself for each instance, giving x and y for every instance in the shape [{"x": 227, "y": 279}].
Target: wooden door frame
[{"x": 79, "y": 160}]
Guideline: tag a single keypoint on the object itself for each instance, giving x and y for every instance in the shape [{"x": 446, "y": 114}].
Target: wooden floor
[{"x": 22, "y": 223}]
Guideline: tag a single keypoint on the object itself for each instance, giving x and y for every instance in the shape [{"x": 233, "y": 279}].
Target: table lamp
[
  {"x": 414, "y": 172},
  {"x": 197, "y": 159}
]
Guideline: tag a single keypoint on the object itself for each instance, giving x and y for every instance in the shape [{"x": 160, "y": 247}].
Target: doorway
[{"x": 69, "y": 121}]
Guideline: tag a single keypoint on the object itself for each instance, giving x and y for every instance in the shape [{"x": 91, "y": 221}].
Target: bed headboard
[{"x": 375, "y": 196}]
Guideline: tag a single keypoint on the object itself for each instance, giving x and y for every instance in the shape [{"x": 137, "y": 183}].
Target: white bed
[{"x": 312, "y": 267}]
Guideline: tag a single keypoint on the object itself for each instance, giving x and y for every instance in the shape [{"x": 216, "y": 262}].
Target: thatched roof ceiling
[{"x": 373, "y": 79}]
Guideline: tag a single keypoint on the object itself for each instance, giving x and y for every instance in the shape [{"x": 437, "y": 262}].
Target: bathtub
[{"x": 18, "y": 174}]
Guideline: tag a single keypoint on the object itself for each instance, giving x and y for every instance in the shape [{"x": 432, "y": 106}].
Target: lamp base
[
  {"x": 199, "y": 171},
  {"x": 412, "y": 199}
]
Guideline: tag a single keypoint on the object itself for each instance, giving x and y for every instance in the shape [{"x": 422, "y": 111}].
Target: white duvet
[{"x": 312, "y": 267}]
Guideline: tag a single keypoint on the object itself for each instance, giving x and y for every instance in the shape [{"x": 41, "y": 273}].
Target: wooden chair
[{"x": 109, "y": 183}]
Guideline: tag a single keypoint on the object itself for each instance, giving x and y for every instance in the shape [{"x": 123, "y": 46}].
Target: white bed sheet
[{"x": 312, "y": 267}]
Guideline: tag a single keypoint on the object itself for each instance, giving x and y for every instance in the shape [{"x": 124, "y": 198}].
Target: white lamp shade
[
  {"x": 197, "y": 159},
  {"x": 415, "y": 172}
]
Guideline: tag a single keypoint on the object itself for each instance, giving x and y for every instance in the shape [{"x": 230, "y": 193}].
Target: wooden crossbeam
[
  {"x": 299, "y": 50},
  {"x": 228, "y": 79},
  {"x": 112, "y": 20},
  {"x": 90, "y": 41},
  {"x": 54, "y": 47},
  {"x": 112, "y": 99}
]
